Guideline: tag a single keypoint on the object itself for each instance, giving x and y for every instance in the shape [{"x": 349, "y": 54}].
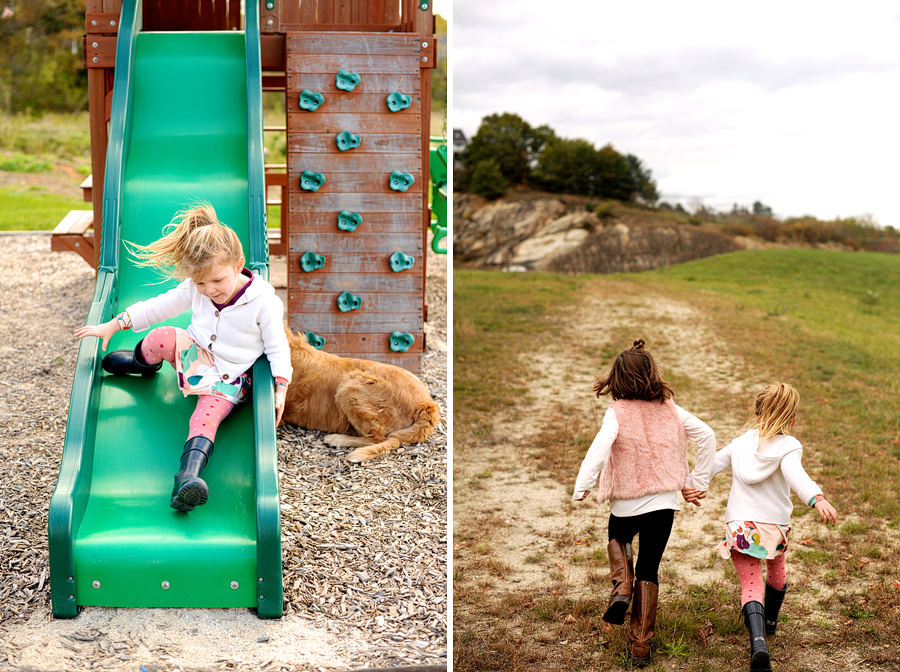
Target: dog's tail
[{"x": 428, "y": 417}]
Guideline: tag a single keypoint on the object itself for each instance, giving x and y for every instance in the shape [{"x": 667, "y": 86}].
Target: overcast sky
[{"x": 795, "y": 104}]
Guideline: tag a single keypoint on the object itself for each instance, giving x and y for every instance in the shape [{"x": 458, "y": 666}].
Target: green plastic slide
[{"x": 186, "y": 126}]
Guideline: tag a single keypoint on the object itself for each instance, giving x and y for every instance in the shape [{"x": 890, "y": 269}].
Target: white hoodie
[
  {"x": 762, "y": 478},
  {"x": 236, "y": 335}
]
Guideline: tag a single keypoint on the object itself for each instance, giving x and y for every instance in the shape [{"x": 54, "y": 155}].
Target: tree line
[
  {"x": 507, "y": 151},
  {"x": 40, "y": 56}
]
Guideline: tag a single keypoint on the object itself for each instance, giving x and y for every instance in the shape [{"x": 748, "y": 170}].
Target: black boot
[
  {"x": 123, "y": 362},
  {"x": 774, "y": 598},
  {"x": 759, "y": 650},
  {"x": 190, "y": 490}
]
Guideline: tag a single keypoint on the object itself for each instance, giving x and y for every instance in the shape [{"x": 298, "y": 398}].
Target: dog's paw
[
  {"x": 334, "y": 439},
  {"x": 360, "y": 455}
]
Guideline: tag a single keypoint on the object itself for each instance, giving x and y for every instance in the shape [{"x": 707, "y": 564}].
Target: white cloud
[{"x": 792, "y": 104}]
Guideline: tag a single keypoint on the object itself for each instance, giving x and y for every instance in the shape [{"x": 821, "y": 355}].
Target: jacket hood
[{"x": 753, "y": 463}]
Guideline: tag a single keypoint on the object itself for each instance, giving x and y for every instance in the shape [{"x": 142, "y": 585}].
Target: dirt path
[{"x": 536, "y": 528}]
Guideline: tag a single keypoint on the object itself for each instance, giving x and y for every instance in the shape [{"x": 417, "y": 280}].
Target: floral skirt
[
  {"x": 760, "y": 540},
  {"x": 198, "y": 375}
]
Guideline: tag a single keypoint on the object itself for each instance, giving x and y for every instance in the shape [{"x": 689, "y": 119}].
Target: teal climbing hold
[
  {"x": 347, "y": 81},
  {"x": 310, "y": 100},
  {"x": 347, "y": 302},
  {"x": 348, "y": 221},
  {"x": 310, "y": 181},
  {"x": 401, "y": 181},
  {"x": 400, "y": 341},
  {"x": 423, "y": 6},
  {"x": 396, "y": 101},
  {"x": 316, "y": 341},
  {"x": 401, "y": 262},
  {"x": 347, "y": 140},
  {"x": 310, "y": 261}
]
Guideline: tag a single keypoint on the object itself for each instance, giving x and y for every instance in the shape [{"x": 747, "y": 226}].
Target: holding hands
[{"x": 693, "y": 496}]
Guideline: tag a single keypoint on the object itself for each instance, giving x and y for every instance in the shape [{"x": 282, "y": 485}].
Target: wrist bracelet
[
  {"x": 124, "y": 320},
  {"x": 815, "y": 500}
]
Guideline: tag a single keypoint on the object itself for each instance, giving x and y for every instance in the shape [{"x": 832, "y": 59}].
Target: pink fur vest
[{"x": 649, "y": 456}]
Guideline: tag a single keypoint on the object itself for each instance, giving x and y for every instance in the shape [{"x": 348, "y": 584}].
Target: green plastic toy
[{"x": 438, "y": 169}]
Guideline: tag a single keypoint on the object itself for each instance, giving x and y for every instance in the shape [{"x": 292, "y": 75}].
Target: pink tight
[
  {"x": 208, "y": 415},
  {"x": 749, "y": 571},
  {"x": 159, "y": 345}
]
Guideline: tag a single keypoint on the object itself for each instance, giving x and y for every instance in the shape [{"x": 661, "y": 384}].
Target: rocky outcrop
[{"x": 555, "y": 235}]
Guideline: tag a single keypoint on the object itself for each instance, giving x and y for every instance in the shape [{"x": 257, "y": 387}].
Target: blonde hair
[
  {"x": 776, "y": 410},
  {"x": 196, "y": 241}
]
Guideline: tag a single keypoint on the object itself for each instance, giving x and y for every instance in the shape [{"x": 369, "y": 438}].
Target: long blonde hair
[
  {"x": 196, "y": 241},
  {"x": 776, "y": 410}
]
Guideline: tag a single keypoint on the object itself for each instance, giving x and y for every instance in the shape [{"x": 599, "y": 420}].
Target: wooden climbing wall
[{"x": 357, "y": 182}]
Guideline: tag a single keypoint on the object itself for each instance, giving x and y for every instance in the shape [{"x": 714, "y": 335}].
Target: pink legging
[
  {"x": 159, "y": 345},
  {"x": 749, "y": 571}
]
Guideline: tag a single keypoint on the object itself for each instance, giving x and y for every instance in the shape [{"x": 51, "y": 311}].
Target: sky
[{"x": 794, "y": 104}]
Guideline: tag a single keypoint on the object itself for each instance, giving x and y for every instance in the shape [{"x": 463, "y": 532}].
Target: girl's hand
[
  {"x": 826, "y": 511},
  {"x": 583, "y": 496},
  {"x": 103, "y": 331},
  {"x": 280, "y": 394},
  {"x": 693, "y": 496}
]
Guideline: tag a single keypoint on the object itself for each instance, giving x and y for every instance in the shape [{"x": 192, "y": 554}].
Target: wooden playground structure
[{"x": 354, "y": 192}]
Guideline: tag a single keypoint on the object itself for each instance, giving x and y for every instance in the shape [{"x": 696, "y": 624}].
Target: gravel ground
[{"x": 364, "y": 546}]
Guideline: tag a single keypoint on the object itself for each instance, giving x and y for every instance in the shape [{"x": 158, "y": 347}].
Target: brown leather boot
[
  {"x": 643, "y": 622},
  {"x": 622, "y": 576}
]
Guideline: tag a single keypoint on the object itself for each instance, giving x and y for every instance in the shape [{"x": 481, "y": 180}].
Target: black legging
[{"x": 654, "y": 529}]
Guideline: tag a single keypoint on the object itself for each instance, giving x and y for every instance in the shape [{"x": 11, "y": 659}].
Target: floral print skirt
[
  {"x": 197, "y": 373},
  {"x": 759, "y": 540}
]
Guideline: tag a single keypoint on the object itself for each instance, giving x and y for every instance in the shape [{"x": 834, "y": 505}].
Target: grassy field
[
  {"x": 34, "y": 210},
  {"x": 827, "y": 321}
]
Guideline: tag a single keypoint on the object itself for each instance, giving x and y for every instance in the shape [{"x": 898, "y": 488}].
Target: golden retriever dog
[{"x": 367, "y": 405}]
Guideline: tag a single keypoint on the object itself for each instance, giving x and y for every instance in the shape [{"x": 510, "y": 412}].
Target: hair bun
[{"x": 637, "y": 344}]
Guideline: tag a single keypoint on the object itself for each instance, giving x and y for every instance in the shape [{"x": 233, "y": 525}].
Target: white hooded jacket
[
  {"x": 236, "y": 335},
  {"x": 762, "y": 478}
]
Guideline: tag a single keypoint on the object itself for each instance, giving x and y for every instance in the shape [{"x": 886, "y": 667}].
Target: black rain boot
[
  {"x": 774, "y": 598},
  {"x": 123, "y": 362},
  {"x": 190, "y": 490},
  {"x": 759, "y": 650}
]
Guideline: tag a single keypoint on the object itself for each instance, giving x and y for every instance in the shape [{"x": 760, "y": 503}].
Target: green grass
[{"x": 34, "y": 210}]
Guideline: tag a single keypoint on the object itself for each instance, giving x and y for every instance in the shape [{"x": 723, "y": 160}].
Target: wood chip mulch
[{"x": 364, "y": 546}]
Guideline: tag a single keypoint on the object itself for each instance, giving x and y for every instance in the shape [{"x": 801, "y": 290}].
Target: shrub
[{"x": 487, "y": 180}]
